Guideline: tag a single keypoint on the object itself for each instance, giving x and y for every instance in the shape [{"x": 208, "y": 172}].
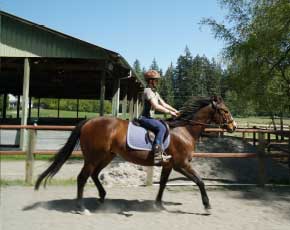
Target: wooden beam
[
  {"x": 4, "y": 106},
  {"x": 38, "y": 111},
  {"x": 116, "y": 98},
  {"x": 124, "y": 107},
  {"x": 25, "y": 94},
  {"x": 18, "y": 106},
  {"x": 102, "y": 93}
]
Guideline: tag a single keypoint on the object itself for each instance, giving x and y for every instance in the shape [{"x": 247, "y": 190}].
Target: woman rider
[{"x": 152, "y": 101}]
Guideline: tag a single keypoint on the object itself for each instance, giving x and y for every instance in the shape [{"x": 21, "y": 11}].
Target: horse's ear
[
  {"x": 215, "y": 100},
  {"x": 214, "y": 104}
]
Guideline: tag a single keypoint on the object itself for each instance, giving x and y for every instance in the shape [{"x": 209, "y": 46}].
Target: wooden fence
[{"x": 263, "y": 143}]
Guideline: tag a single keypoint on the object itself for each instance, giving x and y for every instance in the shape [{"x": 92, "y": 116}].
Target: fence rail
[{"x": 260, "y": 155}]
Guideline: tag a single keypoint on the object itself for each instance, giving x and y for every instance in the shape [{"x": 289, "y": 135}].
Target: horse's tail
[{"x": 61, "y": 157}]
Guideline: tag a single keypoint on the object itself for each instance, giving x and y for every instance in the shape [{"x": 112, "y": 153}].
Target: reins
[{"x": 191, "y": 122}]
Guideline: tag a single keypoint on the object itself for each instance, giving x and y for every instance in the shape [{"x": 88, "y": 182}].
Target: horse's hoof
[
  {"x": 159, "y": 207},
  {"x": 207, "y": 206},
  {"x": 84, "y": 212},
  {"x": 207, "y": 209}
]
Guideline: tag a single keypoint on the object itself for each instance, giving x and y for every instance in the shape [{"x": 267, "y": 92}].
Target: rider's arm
[
  {"x": 161, "y": 108},
  {"x": 164, "y": 104}
]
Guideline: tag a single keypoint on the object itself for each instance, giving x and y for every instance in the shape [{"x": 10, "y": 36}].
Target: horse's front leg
[
  {"x": 163, "y": 180},
  {"x": 190, "y": 173}
]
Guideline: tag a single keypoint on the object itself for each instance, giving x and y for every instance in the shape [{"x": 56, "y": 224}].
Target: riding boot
[{"x": 157, "y": 151}]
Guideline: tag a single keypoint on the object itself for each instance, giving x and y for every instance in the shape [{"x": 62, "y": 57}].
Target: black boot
[{"x": 157, "y": 151}]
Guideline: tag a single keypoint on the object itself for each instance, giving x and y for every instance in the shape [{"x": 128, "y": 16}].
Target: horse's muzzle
[{"x": 231, "y": 127}]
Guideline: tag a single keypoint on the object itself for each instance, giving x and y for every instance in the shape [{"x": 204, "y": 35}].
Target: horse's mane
[{"x": 189, "y": 108}]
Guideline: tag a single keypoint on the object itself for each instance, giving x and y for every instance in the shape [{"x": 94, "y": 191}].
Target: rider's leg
[{"x": 159, "y": 129}]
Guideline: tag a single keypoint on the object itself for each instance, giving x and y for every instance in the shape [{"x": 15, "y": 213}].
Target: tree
[
  {"x": 258, "y": 52},
  {"x": 166, "y": 86},
  {"x": 182, "y": 78},
  {"x": 137, "y": 67}
]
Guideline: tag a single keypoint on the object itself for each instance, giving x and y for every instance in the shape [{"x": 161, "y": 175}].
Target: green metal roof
[{"x": 22, "y": 38}]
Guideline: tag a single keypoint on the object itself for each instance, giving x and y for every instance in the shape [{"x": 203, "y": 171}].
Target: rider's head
[{"x": 151, "y": 77}]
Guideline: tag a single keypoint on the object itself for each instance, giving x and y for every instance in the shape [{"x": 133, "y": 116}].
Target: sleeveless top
[{"x": 148, "y": 94}]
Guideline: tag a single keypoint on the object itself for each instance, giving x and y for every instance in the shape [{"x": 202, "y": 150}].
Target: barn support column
[
  {"x": 4, "y": 107},
  {"x": 25, "y": 99},
  {"x": 102, "y": 94},
  {"x": 18, "y": 106},
  {"x": 78, "y": 104},
  {"x": 131, "y": 109},
  {"x": 58, "y": 103},
  {"x": 124, "y": 107},
  {"x": 136, "y": 107},
  {"x": 38, "y": 106},
  {"x": 29, "y": 108},
  {"x": 116, "y": 98}
]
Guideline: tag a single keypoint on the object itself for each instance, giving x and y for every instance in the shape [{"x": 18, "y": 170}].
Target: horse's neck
[{"x": 201, "y": 118}]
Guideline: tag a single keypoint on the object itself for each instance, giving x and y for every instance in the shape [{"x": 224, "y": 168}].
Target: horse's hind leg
[
  {"x": 189, "y": 172},
  {"x": 163, "y": 180},
  {"x": 86, "y": 171},
  {"x": 95, "y": 176}
]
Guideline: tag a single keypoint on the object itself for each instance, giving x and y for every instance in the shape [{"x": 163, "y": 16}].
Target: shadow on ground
[{"x": 112, "y": 206}]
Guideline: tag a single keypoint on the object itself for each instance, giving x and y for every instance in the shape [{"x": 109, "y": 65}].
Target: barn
[
  {"x": 43, "y": 63},
  {"x": 39, "y": 62}
]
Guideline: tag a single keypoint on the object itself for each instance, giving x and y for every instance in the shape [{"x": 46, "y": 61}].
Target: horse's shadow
[{"x": 113, "y": 206}]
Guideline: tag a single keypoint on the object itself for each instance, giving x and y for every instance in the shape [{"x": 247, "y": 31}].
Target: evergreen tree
[
  {"x": 182, "y": 79},
  {"x": 137, "y": 67},
  {"x": 166, "y": 86}
]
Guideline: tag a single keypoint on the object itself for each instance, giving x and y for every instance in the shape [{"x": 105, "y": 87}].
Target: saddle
[
  {"x": 151, "y": 135},
  {"x": 139, "y": 138}
]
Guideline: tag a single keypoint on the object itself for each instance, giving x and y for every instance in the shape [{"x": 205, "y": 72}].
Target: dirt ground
[
  {"x": 132, "y": 208},
  {"x": 130, "y": 205}
]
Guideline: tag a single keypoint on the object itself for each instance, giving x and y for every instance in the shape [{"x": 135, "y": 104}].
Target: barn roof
[{"x": 61, "y": 65}]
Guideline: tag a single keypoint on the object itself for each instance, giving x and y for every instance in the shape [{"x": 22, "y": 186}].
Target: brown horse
[{"x": 101, "y": 139}]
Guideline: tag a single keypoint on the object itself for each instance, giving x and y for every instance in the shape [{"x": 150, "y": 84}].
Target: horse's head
[{"x": 222, "y": 115}]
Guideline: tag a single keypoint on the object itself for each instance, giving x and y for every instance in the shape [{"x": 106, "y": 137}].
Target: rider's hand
[{"x": 174, "y": 114}]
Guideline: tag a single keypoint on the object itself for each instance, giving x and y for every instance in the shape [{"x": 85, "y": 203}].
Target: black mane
[{"x": 189, "y": 108}]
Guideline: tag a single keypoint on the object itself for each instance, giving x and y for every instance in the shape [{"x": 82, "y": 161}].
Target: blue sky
[{"x": 136, "y": 29}]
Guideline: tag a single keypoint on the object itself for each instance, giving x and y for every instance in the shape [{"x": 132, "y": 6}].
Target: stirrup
[{"x": 165, "y": 156}]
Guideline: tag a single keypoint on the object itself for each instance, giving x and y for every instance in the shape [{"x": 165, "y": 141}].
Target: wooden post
[
  {"x": 102, "y": 94},
  {"x": 29, "y": 156},
  {"x": 25, "y": 95},
  {"x": 4, "y": 106},
  {"x": 38, "y": 111},
  {"x": 261, "y": 159},
  {"x": 78, "y": 104},
  {"x": 116, "y": 98},
  {"x": 281, "y": 127},
  {"x": 131, "y": 109},
  {"x": 58, "y": 103},
  {"x": 136, "y": 108},
  {"x": 289, "y": 151},
  {"x": 254, "y": 138},
  {"x": 29, "y": 107},
  {"x": 18, "y": 106},
  {"x": 268, "y": 138},
  {"x": 124, "y": 107},
  {"x": 149, "y": 176}
]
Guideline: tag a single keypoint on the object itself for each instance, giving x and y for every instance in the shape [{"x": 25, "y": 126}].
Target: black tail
[{"x": 61, "y": 157}]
